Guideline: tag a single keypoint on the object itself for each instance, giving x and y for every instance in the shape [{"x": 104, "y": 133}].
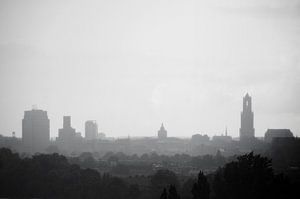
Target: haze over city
[
  {"x": 132, "y": 65},
  {"x": 160, "y": 99}
]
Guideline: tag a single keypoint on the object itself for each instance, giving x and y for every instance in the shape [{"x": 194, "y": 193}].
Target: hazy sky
[{"x": 132, "y": 64}]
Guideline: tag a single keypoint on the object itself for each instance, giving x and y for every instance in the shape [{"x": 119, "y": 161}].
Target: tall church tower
[{"x": 247, "y": 128}]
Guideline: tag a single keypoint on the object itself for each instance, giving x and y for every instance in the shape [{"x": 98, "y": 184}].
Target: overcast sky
[{"x": 134, "y": 64}]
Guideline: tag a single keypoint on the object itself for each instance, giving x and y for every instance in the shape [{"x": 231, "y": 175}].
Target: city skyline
[
  {"x": 133, "y": 65},
  {"x": 36, "y": 138},
  {"x": 133, "y": 99},
  {"x": 246, "y": 129}
]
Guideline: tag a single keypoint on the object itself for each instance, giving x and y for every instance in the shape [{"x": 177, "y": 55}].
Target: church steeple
[
  {"x": 247, "y": 103},
  {"x": 247, "y": 126}
]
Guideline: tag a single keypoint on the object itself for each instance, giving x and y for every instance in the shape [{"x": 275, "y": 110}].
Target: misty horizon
[
  {"x": 132, "y": 65},
  {"x": 160, "y": 99}
]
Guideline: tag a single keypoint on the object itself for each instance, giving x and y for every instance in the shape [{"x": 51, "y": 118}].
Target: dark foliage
[
  {"x": 162, "y": 179},
  {"x": 251, "y": 176},
  {"x": 186, "y": 190},
  {"x": 171, "y": 194},
  {"x": 51, "y": 176},
  {"x": 201, "y": 189},
  {"x": 164, "y": 194},
  {"x": 134, "y": 191}
]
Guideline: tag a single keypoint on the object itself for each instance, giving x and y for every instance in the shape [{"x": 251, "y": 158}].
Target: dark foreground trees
[
  {"x": 162, "y": 179},
  {"x": 170, "y": 194},
  {"x": 51, "y": 176},
  {"x": 201, "y": 189},
  {"x": 251, "y": 176}
]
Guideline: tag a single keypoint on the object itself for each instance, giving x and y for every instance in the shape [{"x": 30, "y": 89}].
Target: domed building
[{"x": 162, "y": 133}]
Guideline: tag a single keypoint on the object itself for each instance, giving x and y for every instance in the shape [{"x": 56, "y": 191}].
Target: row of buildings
[
  {"x": 247, "y": 131},
  {"x": 36, "y": 131},
  {"x": 36, "y": 134}
]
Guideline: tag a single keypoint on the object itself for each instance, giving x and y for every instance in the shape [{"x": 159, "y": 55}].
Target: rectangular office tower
[
  {"x": 91, "y": 130},
  {"x": 67, "y": 134},
  {"x": 35, "y": 131}
]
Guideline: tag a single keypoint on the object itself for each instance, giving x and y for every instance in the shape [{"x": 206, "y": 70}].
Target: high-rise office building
[
  {"x": 247, "y": 124},
  {"x": 67, "y": 133},
  {"x": 68, "y": 139},
  {"x": 35, "y": 130},
  {"x": 91, "y": 130}
]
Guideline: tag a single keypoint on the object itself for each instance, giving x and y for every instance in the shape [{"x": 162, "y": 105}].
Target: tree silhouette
[
  {"x": 52, "y": 176},
  {"x": 250, "y": 177},
  {"x": 162, "y": 179},
  {"x": 201, "y": 187},
  {"x": 173, "y": 193},
  {"x": 164, "y": 194},
  {"x": 134, "y": 191},
  {"x": 186, "y": 189}
]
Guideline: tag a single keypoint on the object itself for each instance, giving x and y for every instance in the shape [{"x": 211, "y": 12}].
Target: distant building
[
  {"x": 101, "y": 135},
  {"x": 277, "y": 133},
  {"x": 78, "y": 135},
  {"x": 35, "y": 130},
  {"x": 198, "y": 139},
  {"x": 222, "y": 138},
  {"x": 91, "y": 130},
  {"x": 13, "y": 143},
  {"x": 247, "y": 124},
  {"x": 67, "y": 133},
  {"x": 162, "y": 133},
  {"x": 69, "y": 141}
]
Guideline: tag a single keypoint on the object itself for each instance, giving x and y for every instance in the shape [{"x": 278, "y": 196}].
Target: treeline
[
  {"x": 249, "y": 177},
  {"x": 53, "y": 176},
  {"x": 122, "y": 164},
  {"x": 283, "y": 152}
]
